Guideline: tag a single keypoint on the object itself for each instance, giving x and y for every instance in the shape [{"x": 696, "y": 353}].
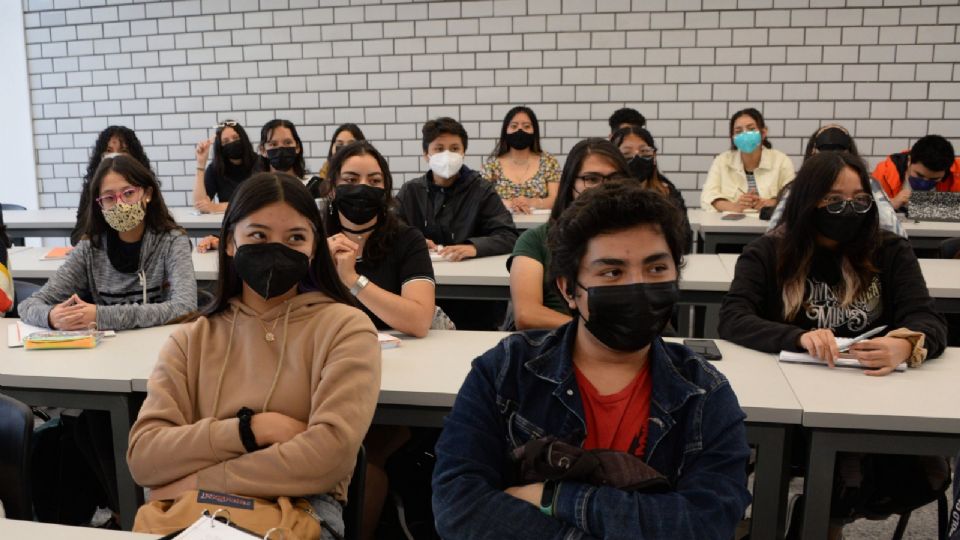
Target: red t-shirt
[{"x": 617, "y": 421}]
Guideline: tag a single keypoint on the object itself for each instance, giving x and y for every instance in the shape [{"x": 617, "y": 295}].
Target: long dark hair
[
  {"x": 571, "y": 168},
  {"x": 388, "y": 224},
  {"x": 352, "y": 128},
  {"x": 502, "y": 147},
  {"x": 299, "y": 167},
  {"x": 220, "y": 161},
  {"x": 797, "y": 231},
  {"x": 812, "y": 143},
  {"x": 757, "y": 117},
  {"x": 654, "y": 182},
  {"x": 260, "y": 190},
  {"x": 157, "y": 218}
]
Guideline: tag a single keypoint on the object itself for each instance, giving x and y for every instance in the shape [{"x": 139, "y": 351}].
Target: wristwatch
[
  {"x": 549, "y": 497},
  {"x": 246, "y": 431},
  {"x": 362, "y": 282}
]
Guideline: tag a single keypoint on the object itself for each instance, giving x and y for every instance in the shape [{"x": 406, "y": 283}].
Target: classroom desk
[
  {"x": 913, "y": 412},
  {"x": 59, "y": 222},
  {"x": 96, "y": 379},
  {"x": 11, "y": 529},
  {"x": 713, "y": 230},
  {"x": 529, "y": 221}
]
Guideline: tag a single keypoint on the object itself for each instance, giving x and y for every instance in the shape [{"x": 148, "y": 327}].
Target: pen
[{"x": 862, "y": 337}]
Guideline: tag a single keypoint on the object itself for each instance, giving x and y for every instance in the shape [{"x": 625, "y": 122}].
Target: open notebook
[{"x": 843, "y": 344}]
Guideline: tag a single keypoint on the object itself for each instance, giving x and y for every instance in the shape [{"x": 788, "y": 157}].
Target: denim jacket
[{"x": 525, "y": 388}]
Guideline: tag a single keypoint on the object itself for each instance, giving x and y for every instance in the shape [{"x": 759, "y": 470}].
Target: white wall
[
  {"x": 18, "y": 179},
  {"x": 887, "y": 69}
]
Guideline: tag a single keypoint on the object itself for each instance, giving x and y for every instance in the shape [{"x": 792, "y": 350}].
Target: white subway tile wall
[{"x": 888, "y": 70}]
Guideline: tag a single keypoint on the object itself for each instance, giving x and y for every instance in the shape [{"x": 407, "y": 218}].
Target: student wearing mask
[
  {"x": 605, "y": 380},
  {"x": 268, "y": 394},
  {"x": 749, "y": 175},
  {"x": 342, "y": 136},
  {"x": 829, "y": 271},
  {"x": 381, "y": 260},
  {"x": 280, "y": 150},
  {"x": 525, "y": 176},
  {"x": 836, "y": 138},
  {"x": 233, "y": 162},
  {"x": 537, "y": 302},
  {"x": 113, "y": 140},
  {"x": 625, "y": 117},
  {"x": 6, "y": 281},
  {"x": 930, "y": 165},
  {"x": 637, "y": 146},
  {"x": 458, "y": 212},
  {"x": 132, "y": 267}
]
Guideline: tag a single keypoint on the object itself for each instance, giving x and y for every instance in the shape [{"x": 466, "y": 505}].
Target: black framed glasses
[
  {"x": 861, "y": 204},
  {"x": 595, "y": 179},
  {"x": 227, "y": 123}
]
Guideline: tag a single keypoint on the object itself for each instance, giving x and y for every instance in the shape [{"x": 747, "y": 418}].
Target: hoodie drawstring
[
  {"x": 283, "y": 348},
  {"x": 226, "y": 360}
]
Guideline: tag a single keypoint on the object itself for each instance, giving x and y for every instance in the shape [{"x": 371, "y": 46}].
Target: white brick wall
[{"x": 172, "y": 69}]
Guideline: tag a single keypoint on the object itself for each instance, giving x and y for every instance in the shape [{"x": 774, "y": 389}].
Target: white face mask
[{"x": 446, "y": 164}]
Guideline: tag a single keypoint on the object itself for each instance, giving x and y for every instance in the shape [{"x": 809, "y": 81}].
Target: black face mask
[
  {"x": 642, "y": 167},
  {"x": 359, "y": 203},
  {"x": 283, "y": 158},
  {"x": 520, "y": 139},
  {"x": 841, "y": 228},
  {"x": 233, "y": 150},
  {"x": 270, "y": 269},
  {"x": 628, "y": 317}
]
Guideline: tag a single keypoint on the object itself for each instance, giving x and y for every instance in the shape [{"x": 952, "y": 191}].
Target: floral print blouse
[{"x": 536, "y": 187}]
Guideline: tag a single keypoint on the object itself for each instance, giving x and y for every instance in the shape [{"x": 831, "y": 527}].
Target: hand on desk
[
  {"x": 458, "y": 252},
  {"x": 520, "y": 205},
  {"x": 821, "y": 344},
  {"x": 72, "y": 314},
  {"x": 208, "y": 243},
  {"x": 882, "y": 354}
]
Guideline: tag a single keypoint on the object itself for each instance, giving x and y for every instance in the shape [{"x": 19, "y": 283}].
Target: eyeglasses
[
  {"x": 643, "y": 152},
  {"x": 227, "y": 123},
  {"x": 861, "y": 204},
  {"x": 128, "y": 195},
  {"x": 594, "y": 179}
]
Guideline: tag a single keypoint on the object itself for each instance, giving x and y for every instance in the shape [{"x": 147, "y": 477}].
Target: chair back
[
  {"x": 16, "y": 431},
  {"x": 353, "y": 511}
]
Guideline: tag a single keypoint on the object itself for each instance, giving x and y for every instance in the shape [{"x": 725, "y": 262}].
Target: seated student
[
  {"x": 280, "y": 150},
  {"x": 113, "y": 140},
  {"x": 344, "y": 135},
  {"x": 637, "y": 146},
  {"x": 828, "y": 271},
  {"x": 625, "y": 117},
  {"x": 836, "y": 138},
  {"x": 930, "y": 165},
  {"x": 383, "y": 261},
  {"x": 751, "y": 173},
  {"x": 605, "y": 380},
  {"x": 271, "y": 391},
  {"x": 233, "y": 162},
  {"x": 524, "y": 175},
  {"x": 132, "y": 267},
  {"x": 536, "y": 301},
  {"x": 458, "y": 212},
  {"x": 6, "y": 281}
]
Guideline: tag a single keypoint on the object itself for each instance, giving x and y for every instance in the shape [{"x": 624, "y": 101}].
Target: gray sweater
[{"x": 163, "y": 289}]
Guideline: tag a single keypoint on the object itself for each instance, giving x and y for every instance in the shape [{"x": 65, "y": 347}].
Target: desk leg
[
  {"x": 768, "y": 517},
  {"x": 818, "y": 485}
]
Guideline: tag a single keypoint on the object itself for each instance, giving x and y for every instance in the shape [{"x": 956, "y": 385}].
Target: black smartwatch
[
  {"x": 549, "y": 497},
  {"x": 246, "y": 431}
]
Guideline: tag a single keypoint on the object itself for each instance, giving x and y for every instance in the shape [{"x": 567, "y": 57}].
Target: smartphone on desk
[
  {"x": 706, "y": 348},
  {"x": 733, "y": 217}
]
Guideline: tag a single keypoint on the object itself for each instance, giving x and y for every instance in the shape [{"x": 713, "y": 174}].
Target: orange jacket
[{"x": 890, "y": 171}]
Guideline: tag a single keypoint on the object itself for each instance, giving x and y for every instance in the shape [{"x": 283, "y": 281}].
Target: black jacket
[
  {"x": 468, "y": 212},
  {"x": 752, "y": 311}
]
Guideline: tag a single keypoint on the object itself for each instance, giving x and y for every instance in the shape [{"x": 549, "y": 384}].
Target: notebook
[
  {"x": 387, "y": 341},
  {"x": 17, "y": 332},
  {"x": 58, "y": 253},
  {"x": 934, "y": 206},
  {"x": 845, "y": 360}
]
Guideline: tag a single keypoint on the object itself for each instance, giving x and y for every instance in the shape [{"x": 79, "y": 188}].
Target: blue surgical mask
[
  {"x": 747, "y": 141},
  {"x": 921, "y": 184}
]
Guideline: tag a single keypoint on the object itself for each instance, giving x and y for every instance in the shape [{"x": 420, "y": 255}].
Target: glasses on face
[
  {"x": 595, "y": 179},
  {"x": 129, "y": 195},
  {"x": 860, "y": 204},
  {"x": 646, "y": 151}
]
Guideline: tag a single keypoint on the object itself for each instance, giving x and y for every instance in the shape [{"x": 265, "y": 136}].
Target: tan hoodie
[{"x": 329, "y": 378}]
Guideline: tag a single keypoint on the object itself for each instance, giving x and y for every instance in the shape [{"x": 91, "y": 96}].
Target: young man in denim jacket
[{"x": 604, "y": 380}]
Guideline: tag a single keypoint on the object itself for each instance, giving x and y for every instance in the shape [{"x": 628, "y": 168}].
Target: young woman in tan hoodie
[{"x": 270, "y": 392}]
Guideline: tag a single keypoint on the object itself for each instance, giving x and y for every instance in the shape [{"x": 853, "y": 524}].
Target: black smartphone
[
  {"x": 706, "y": 348},
  {"x": 733, "y": 217}
]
